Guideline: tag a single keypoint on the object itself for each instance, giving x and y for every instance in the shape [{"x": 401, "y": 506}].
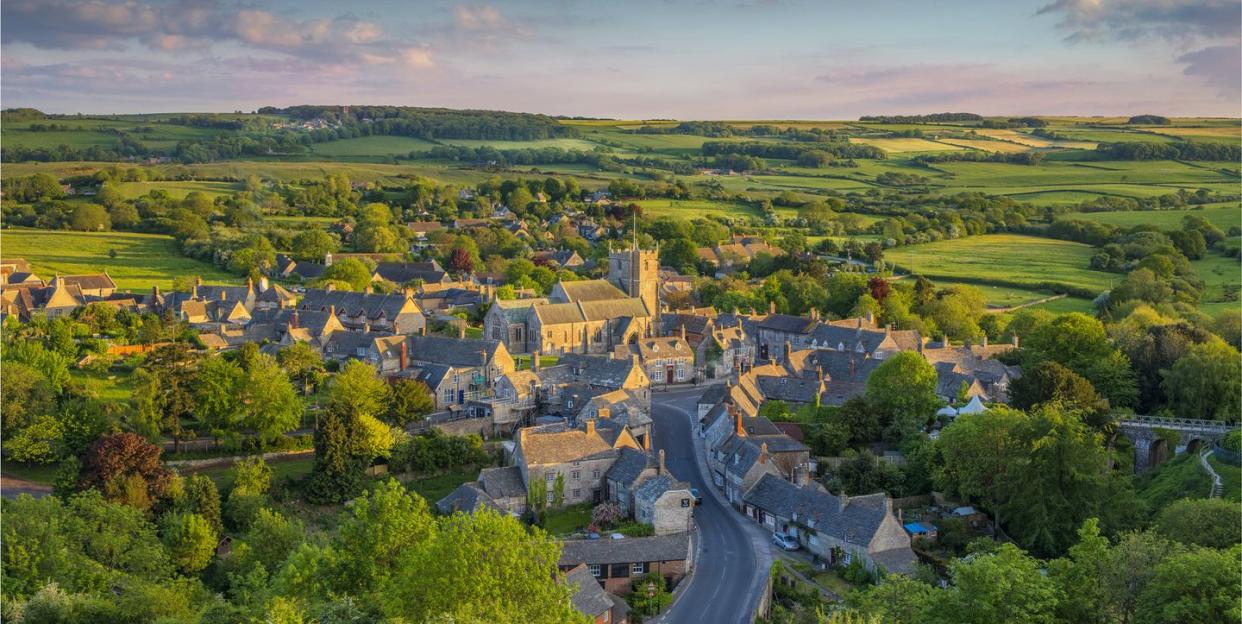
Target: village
[{"x": 575, "y": 387}]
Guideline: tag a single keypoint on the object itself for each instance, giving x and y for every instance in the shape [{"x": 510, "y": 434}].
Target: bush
[{"x": 1232, "y": 441}]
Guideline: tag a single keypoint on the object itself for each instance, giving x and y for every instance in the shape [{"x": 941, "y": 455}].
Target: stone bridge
[{"x": 1152, "y": 448}]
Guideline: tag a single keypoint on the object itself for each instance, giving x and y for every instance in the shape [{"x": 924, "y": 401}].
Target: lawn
[
  {"x": 295, "y": 468},
  {"x": 439, "y": 486},
  {"x": 142, "y": 260},
  {"x": 567, "y": 520},
  {"x": 1222, "y": 216},
  {"x": 1011, "y": 260},
  {"x": 37, "y": 473},
  {"x": 108, "y": 387}
]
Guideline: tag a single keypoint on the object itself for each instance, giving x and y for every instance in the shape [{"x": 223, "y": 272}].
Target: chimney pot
[
  {"x": 661, "y": 469},
  {"x": 771, "y": 307},
  {"x": 590, "y": 427}
]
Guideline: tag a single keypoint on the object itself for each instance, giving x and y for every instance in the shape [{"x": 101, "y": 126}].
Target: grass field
[
  {"x": 699, "y": 208},
  {"x": 1222, "y": 216},
  {"x": 1004, "y": 147},
  {"x": 1010, "y": 260},
  {"x": 295, "y": 468},
  {"x": 372, "y": 146},
  {"x": 108, "y": 387},
  {"x": 899, "y": 145},
  {"x": 142, "y": 260},
  {"x": 178, "y": 189},
  {"x": 1222, "y": 281},
  {"x": 567, "y": 144}
]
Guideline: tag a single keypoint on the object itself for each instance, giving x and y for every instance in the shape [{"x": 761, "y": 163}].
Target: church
[{"x": 590, "y": 316}]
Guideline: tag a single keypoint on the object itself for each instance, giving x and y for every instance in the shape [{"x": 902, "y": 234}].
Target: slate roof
[
  {"x": 589, "y": 598},
  {"x": 713, "y": 395},
  {"x": 516, "y": 310},
  {"x": 786, "y": 323},
  {"x": 599, "y": 370},
  {"x": 431, "y": 374},
  {"x": 402, "y": 272},
  {"x": 502, "y": 482},
  {"x": 854, "y": 520},
  {"x": 452, "y": 351},
  {"x": 652, "y": 489},
  {"x": 467, "y": 498},
  {"x": 843, "y": 365},
  {"x": 661, "y": 348},
  {"x": 629, "y": 465},
  {"x": 583, "y": 311},
  {"x": 89, "y": 282},
  {"x": 591, "y": 290},
  {"x": 347, "y": 302},
  {"x": 675, "y": 547},
  {"x": 789, "y": 388}
]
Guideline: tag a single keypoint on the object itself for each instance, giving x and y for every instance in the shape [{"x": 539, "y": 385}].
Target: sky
[{"x": 636, "y": 59}]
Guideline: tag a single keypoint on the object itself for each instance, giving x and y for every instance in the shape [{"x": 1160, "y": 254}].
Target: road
[{"x": 734, "y": 555}]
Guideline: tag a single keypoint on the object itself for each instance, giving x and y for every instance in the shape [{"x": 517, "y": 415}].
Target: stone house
[
  {"x": 614, "y": 562},
  {"x": 580, "y": 456},
  {"x": 632, "y": 467},
  {"x": 665, "y": 503},
  {"x": 590, "y": 599},
  {"x": 667, "y": 360},
  {"x": 395, "y": 313},
  {"x": 506, "y": 321},
  {"x": 837, "y": 529}
]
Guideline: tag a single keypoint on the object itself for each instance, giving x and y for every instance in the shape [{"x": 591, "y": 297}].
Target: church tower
[{"x": 637, "y": 272}]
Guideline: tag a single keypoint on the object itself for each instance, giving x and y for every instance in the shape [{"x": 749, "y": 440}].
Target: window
[
  {"x": 575, "y": 475},
  {"x": 549, "y": 476},
  {"x": 577, "y": 493},
  {"x": 619, "y": 570},
  {"x": 577, "y": 463},
  {"x": 595, "y": 473},
  {"x": 681, "y": 374},
  {"x": 596, "y": 571},
  {"x": 638, "y": 568},
  {"x": 685, "y": 502}
]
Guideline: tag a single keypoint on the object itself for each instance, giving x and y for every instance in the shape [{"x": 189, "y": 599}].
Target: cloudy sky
[{"x": 702, "y": 59}]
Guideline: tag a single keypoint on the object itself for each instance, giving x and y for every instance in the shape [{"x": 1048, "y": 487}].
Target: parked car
[
  {"x": 785, "y": 542},
  {"x": 698, "y": 498}
]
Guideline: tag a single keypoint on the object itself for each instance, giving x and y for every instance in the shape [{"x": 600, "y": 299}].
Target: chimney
[
  {"x": 422, "y": 331},
  {"x": 155, "y": 292},
  {"x": 590, "y": 425},
  {"x": 763, "y": 453},
  {"x": 264, "y": 285},
  {"x": 1015, "y": 341},
  {"x": 661, "y": 469},
  {"x": 327, "y": 259},
  {"x": 461, "y": 331},
  {"x": 737, "y": 425},
  {"x": 870, "y": 317},
  {"x": 223, "y": 295},
  {"x": 198, "y": 281},
  {"x": 330, "y": 287},
  {"x": 331, "y": 310},
  {"x": 683, "y": 331},
  {"x": 249, "y": 284},
  {"x": 405, "y": 355},
  {"x": 985, "y": 341},
  {"x": 771, "y": 307},
  {"x": 860, "y": 324},
  {"x": 820, "y": 371},
  {"x": 294, "y": 319},
  {"x": 788, "y": 352}
]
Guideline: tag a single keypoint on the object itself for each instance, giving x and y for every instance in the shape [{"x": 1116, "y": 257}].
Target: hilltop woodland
[{"x": 1148, "y": 326}]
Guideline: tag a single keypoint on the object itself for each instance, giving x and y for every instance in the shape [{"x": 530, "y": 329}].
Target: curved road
[{"x": 733, "y": 553}]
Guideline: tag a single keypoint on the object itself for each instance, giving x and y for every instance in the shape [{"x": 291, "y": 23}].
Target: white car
[{"x": 785, "y": 542}]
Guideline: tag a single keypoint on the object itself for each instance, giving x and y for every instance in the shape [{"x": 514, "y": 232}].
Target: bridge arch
[
  {"x": 1151, "y": 445},
  {"x": 1158, "y": 452}
]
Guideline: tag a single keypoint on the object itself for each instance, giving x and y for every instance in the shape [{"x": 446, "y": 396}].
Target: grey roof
[
  {"x": 741, "y": 457},
  {"x": 468, "y": 498},
  {"x": 789, "y": 389},
  {"x": 431, "y": 374},
  {"x": 843, "y": 365},
  {"x": 896, "y": 559},
  {"x": 629, "y": 465},
  {"x": 713, "y": 395},
  {"x": 832, "y": 336},
  {"x": 652, "y": 489},
  {"x": 675, "y": 547},
  {"x": 599, "y": 370},
  {"x": 452, "y": 351},
  {"x": 786, "y": 323},
  {"x": 372, "y": 305},
  {"x": 402, "y": 272},
  {"x": 588, "y": 598},
  {"x": 854, "y": 519},
  {"x": 502, "y": 482}
]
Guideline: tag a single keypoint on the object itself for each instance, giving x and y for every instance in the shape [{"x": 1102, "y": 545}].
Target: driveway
[{"x": 733, "y": 553}]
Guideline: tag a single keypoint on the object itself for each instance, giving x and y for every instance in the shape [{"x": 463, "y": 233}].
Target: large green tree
[
  {"x": 903, "y": 390},
  {"x": 1204, "y": 383}
]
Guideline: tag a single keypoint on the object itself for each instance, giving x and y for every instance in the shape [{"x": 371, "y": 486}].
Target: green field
[
  {"x": 567, "y": 144},
  {"x": 178, "y": 189},
  {"x": 371, "y": 146},
  {"x": 1010, "y": 260},
  {"x": 142, "y": 260},
  {"x": 698, "y": 208},
  {"x": 1222, "y": 216},
  {"x": 1222, "y": 280}
]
